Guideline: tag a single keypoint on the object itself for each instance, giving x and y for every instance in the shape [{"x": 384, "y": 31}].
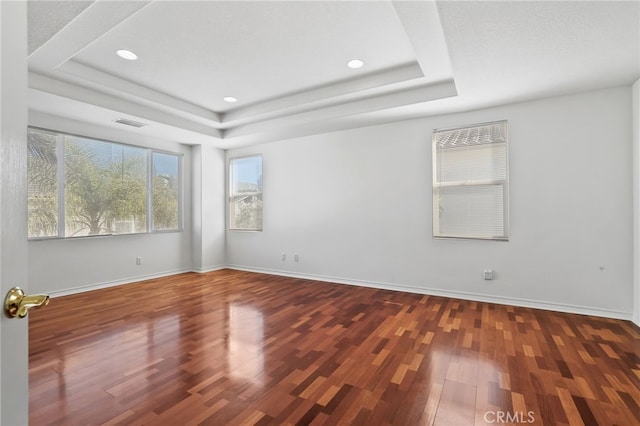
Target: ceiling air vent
[{"x": 132, "y": 123}]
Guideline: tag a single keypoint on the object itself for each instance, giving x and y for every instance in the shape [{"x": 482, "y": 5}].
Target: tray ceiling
[{"x": 285, "y": 61}]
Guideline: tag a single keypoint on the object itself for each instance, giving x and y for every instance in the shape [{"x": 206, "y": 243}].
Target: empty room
[{"x": 320, "y": 212}]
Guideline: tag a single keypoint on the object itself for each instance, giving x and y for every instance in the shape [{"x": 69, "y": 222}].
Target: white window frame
[{"x": 503, "y": 183}]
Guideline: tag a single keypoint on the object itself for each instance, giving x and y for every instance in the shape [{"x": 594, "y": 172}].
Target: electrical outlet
[
  {"x": 296, "y": 257},
  {"x": 138, "y": 261},
  {"x": 487, "y": 274},
  {"x": 284, "y": 257}
]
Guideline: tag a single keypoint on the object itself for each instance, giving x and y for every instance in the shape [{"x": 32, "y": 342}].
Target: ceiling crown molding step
[
  {"x": 116, "y": 105},
  {"x": 110, "y": 84},
  {"x": 408, "y": 96},
  {"x": 321, "y": 96},
  {"x": 57, "y": 69}
]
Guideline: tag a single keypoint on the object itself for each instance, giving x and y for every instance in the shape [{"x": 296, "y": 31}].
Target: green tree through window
[
  {"x": 106, "y": 187},
  {"x": 42, "y": 185},
  {"x": 166, "y": 192}
]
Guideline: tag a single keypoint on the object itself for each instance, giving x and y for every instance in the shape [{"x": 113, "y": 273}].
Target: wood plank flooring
[{"x": 238, "y": 348}]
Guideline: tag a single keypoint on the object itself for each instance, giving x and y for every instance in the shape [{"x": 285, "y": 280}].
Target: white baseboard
[
  {"x": 107, "y": 284},
  {"x": 129, "y": 280},
  {"x": 525, "y": 303},
  {"x": 208, "y": 269}
]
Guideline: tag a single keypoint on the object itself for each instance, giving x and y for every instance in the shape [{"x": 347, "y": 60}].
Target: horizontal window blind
[{"x": 470, "y": 182}]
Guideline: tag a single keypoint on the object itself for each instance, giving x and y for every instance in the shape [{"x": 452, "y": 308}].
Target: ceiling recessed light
[
  {"x": 127, "y": 54},
  {"x": 230, "y": 99},
  {"x": 355, "y": 64}
]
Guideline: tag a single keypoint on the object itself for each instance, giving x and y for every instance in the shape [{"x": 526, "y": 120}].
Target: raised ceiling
[{"x": 285, "y": 61}]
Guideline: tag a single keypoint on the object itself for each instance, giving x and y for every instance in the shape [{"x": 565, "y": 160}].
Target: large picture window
[
  {"x": 245, "y": 193},
  {"x": 471, "y": 182},
  {"x": 82, "y": 187}
]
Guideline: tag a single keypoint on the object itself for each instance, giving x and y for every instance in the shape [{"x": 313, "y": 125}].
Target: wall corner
[{"x": 636, "y": 200}]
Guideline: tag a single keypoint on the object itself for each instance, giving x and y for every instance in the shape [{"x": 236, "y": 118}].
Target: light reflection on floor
[{"x": 246, "y": 334}]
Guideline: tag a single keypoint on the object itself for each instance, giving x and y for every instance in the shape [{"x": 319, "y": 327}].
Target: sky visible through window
[
  {"x": 248, "y": 170},
  {"x": 106, "y": 152},
  {"x": 165, "y": 164}
]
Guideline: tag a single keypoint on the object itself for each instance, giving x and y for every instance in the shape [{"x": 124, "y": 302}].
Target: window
[
  {"x": 166, "y": 191},
  {"x": 42, "y": 190},
  {"x": 107, "y": 188},
  {"x": 245, "y": 193},
  {"x": 471, "y": 182}
]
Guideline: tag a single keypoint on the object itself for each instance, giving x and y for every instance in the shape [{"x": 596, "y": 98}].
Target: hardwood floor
[{"x": 231, "y": 347}]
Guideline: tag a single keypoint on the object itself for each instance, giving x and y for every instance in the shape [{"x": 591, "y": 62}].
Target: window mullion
[
  {"x": 180, "y": 196},
  {"x": 149, "y": 190},
  {"x": 60, "y": 178}
]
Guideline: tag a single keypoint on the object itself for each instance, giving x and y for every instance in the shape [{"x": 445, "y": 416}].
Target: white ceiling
[{"x": 285, "y": 61}]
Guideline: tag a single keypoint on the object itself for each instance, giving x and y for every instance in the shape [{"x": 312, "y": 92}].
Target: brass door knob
[{"x": 17, "y": 304}]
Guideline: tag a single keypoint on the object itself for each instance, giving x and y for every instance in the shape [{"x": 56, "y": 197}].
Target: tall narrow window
[
  {"x": 471, "y": 182},
  {"x": 245, "y": 193},
  {"x": 166, "y": 192}
]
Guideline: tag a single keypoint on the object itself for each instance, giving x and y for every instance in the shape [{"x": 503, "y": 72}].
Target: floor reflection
[
  {"x": 245, "y": 356},
  {"x": 237, "y": 348}
]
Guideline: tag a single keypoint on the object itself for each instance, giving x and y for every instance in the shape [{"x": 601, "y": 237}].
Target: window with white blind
[{"x": 471, "y": 182}]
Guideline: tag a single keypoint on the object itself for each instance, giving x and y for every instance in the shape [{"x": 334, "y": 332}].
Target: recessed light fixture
[
  {"x": 230, "y": 99},
  {"x": 355, "y": 64},
  {"x": 127, "y": 54}
]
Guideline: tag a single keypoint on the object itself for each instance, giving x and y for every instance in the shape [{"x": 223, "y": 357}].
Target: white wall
[
  {"x": 356, "y": 206},
  {"x": 636, "y": 201},
  {"x": 208, "y": 208},
  {"x": 61, "y": 266}
]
